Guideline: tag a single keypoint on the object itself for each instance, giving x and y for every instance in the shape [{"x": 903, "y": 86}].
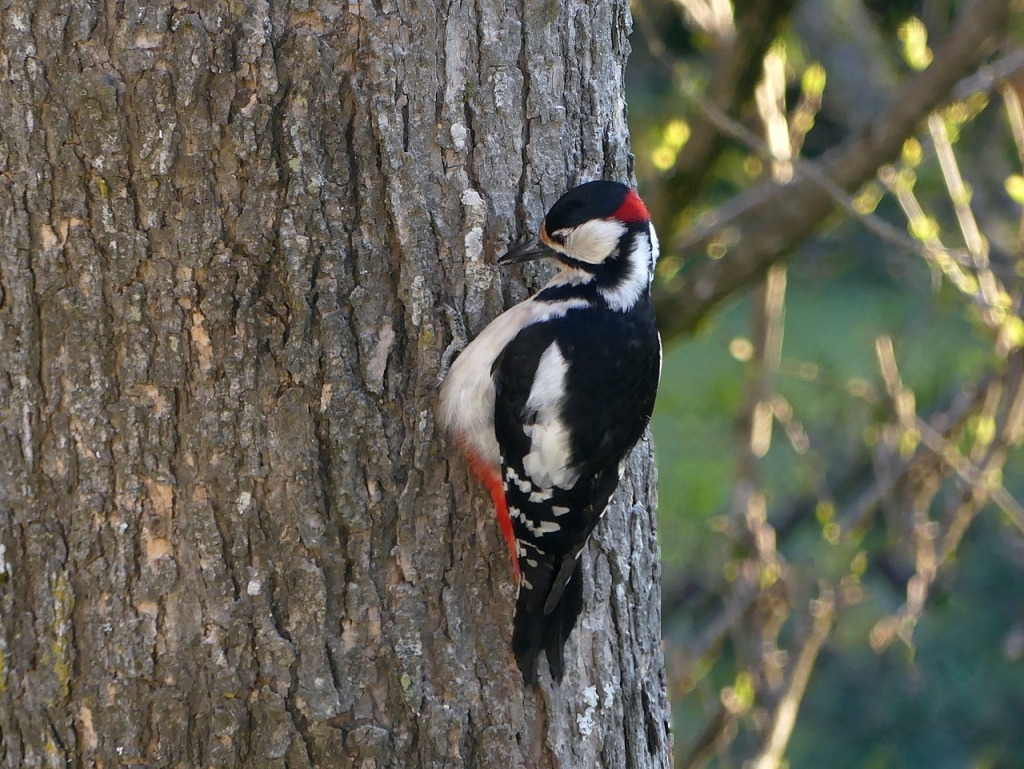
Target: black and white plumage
[{"x": 550, "y": 398}]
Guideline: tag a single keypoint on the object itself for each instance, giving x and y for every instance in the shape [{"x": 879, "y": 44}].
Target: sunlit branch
[
  {"x": 763, "y": 225},
  {"x": 823, "y": 610}
]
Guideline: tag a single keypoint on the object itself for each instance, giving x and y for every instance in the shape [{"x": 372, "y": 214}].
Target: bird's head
[{"x": 599, "y": 230}]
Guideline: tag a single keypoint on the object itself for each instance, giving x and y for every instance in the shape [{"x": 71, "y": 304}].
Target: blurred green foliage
[
  {"x": 958, "y": 689},
  {"x": 954, "y": 696}
]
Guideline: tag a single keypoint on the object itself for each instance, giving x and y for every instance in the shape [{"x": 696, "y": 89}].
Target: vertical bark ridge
[{"x": 232, "y": 535}]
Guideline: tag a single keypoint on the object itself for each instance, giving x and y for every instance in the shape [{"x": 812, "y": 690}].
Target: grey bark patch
[{"x": 232, "y": 533}]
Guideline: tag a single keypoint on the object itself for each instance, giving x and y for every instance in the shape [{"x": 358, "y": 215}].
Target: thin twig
[
  {"x": 971, "y": 474},
  {"x": 1015, "y": 117},
  {"x": 763, "y": 225},
  {"x": 989, "y": 287},
  {"x": 823, "y": 609},
  {"x": 715, "y": 731},
  {"x": 760, "y": 637},
  {"x": 992, "y": 303},
  {"x": 931, "y": 550},
  {"x": 853, "y": 517},
  {"x": 1004, "y": 68},
  {"x": 712, "y": 17},
  {"x": 737, "y": 69},
  {"x": 987, "y": 79},
  {"x": 810, "y": 170}
]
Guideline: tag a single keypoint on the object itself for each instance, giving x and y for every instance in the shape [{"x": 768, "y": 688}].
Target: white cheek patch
[
  {"x": 655, "y": 247},
  {"x": 593, "y": 241},
  {"x": 547, "y": 464},
  {"x": 639, "y": 272}
]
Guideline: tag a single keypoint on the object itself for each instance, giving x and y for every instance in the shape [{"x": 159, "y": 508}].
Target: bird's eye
[{"x": 556, "y": 238}]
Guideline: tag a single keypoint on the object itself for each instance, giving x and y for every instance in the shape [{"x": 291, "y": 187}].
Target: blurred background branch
[
  {"x": 839, "y": 187},
  {"x": 740, "y": 46},
  {"x": 764, "y": 224}
]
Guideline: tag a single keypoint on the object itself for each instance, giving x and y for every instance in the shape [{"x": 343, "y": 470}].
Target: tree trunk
[{"x": 236, "y": 240}]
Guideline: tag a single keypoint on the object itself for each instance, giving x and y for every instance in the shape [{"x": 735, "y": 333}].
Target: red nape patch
[
  {"x": 632, "y": 209},
  {"x": 491, "y": 479}
]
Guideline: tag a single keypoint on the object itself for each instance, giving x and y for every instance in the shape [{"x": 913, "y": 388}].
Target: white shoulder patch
[
  {"x": 547, "y": 463},
  {"x": 467, "y": 396}
]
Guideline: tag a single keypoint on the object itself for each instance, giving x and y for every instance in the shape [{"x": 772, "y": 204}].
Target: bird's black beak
[{"x": 525, "y": 251}]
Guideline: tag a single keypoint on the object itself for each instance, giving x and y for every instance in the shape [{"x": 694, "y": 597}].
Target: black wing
[{"x": 611, "y": 375}]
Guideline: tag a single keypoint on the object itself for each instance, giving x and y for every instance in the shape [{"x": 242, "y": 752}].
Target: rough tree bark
[{"x": 230, "y": 533}]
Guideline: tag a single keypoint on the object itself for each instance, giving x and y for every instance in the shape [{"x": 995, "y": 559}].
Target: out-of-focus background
[{"x": 838, "y": 438}]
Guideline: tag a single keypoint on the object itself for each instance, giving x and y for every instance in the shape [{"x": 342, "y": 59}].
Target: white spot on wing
[
  {"x": 558, "y": 510},
  {"x": 547, "y": 463},
  {"x": 541, "y": 528},
  {"x": 541, "y": 496}
]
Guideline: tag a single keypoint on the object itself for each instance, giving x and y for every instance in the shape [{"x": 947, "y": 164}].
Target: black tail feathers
[{"x": 534, "y": 630}]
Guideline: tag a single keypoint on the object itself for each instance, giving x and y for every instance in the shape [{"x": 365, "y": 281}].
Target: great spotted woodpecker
[{"x": 551, "y": 396}]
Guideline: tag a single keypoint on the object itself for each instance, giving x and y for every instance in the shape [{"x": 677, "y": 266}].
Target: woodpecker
[{"x": 551, "y": 396}]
